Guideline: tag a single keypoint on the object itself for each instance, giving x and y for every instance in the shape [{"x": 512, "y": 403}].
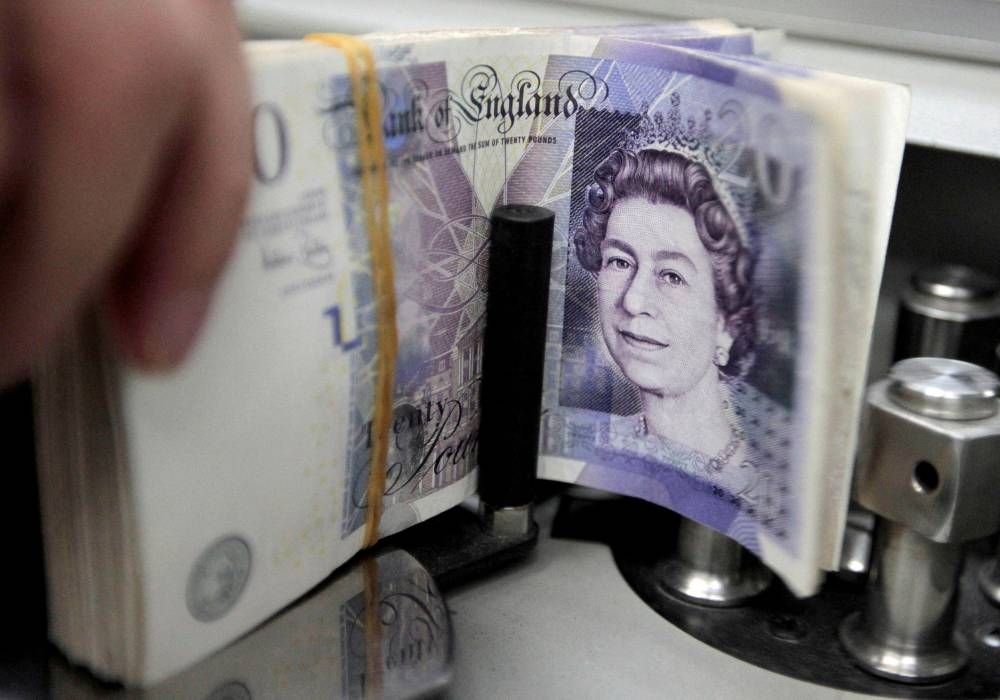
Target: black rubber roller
[{"x": 514, "y": 353}]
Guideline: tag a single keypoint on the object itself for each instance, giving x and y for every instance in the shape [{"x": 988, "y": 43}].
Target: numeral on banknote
[
  {"x": 270, "y": 138},
  {"x": 773, "y": 174},
  {"x": 333, "y": 313}
]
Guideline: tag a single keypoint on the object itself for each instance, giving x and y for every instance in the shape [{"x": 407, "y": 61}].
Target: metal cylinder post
[
  {"x": 989, "y": 574},
  {"x": 989, "y": 581},
  {"x": 926, "y": 469},
  {"x": 711, "y": 569},
  {"x": 949, "y": 311},
  {"x": 905, "y": 630}
]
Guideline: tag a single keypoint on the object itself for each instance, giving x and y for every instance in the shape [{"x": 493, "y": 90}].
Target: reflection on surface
[{"x": 378, "y": 629}]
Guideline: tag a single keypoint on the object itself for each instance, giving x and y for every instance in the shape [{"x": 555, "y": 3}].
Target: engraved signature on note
[
  {"x": 283, "y": 235},
  {"x": 302, "y": 249}
]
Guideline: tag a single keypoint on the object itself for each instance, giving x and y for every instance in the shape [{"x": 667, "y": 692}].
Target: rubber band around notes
[{"x": 375, "y": 200}]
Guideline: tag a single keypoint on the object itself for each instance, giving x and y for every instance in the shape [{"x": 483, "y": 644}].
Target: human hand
[{"x": 124, "y": 161}]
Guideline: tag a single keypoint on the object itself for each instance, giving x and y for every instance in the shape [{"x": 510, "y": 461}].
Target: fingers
[
  {"x": 134, "y": 124},
  {"x": 99, "y": 109},
  {"x": 159, "y": 297},
  {"x": 10, "y": 117}
]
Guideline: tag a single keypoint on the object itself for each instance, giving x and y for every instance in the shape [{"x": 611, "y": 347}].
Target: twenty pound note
[{"x": 702, "y": 351}]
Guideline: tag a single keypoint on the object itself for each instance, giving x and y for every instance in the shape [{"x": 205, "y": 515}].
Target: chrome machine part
[
  {"x": 933, "y": 473},
  {"x": 711, "y": 569},
  {"x": 905, "y": 630},
  {"x": 512, "y": 521},
  {"x": 927, "y": 469},
  {"x": 955, "y": 283},
  {"x": 943, "y": 388},
  {"x": 989, "y": 581},
  {"x": 989, "y": 574},
  {"x": 949, "y": 311},
  {"x": 856, "y": 553}
]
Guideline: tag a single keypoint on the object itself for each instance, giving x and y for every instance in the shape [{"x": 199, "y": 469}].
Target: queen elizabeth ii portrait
[
  {"x": 662, "y": 324},
  {"x": 673, "y": 293}
]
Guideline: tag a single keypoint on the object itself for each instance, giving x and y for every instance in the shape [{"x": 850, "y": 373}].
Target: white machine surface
[{"x": 565, "y": 624}]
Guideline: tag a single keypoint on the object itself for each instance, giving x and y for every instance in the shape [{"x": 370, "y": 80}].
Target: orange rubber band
[{"x": 375, "y": 198}]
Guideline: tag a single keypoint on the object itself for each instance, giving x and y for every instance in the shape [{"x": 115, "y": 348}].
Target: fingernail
[{"x": 172, "y": 326}]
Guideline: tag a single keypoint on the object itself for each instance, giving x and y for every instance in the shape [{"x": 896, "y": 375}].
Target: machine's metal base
[
  {"x": 514, "y": 521},
  {"x": 456, "y": 546},
  {"x": 775, "y": 630}
]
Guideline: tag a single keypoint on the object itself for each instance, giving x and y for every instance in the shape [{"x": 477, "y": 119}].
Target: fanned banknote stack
[{"x": 720, "y": 227}]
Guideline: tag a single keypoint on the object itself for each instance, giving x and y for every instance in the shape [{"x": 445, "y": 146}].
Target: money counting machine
[{"x": 913, "y": 612}]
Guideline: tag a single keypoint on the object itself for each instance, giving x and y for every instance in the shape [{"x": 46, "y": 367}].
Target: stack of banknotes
[{"x": 720, "y": 226}]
